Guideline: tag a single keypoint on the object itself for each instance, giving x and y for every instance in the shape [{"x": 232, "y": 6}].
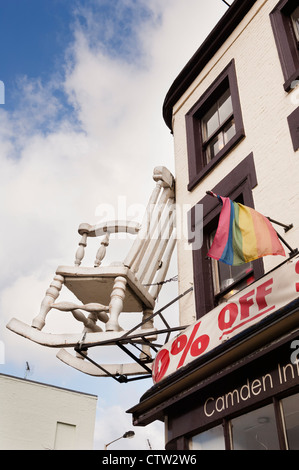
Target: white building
[
  {"x": 37, "y": 416},
  {"x": 258, "y": 162}
]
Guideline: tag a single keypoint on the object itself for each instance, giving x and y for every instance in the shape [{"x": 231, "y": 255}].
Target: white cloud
[{"x": 112, "y": 423}]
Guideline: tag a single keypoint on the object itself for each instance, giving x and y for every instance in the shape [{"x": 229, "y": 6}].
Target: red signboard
[{"x": 248, "y": 307}]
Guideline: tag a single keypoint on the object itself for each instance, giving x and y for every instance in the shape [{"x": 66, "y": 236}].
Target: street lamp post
[{"x": 126, "y": 435}]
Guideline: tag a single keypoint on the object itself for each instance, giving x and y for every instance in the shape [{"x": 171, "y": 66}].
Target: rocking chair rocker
[{"x": 108, "y": 291}]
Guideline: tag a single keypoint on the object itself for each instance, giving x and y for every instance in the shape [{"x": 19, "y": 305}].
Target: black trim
[
  {"x": 286, "y": 42},
  {"x": 197, "y": 166},
  {"x": 293, "y": 121}
]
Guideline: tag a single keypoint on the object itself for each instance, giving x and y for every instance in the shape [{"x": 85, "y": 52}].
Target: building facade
[
  {"x": 37, "y": 416},
  {"x": 234, "y": 115}
]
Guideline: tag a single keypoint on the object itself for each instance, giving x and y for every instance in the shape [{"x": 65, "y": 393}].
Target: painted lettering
[
  {"x": 230, "y": 313},
  {"x": 256, "y": 387},
  {"x": 231, "y": 395},
  {"x": 205, "y": 407},
  {"x": 227, "y": 316},
  {"x": 161, "y": 365},
  {"x": 288, "y": 372},
  {"x": 269, "y": 377},
  {"x": 246, "y": 301},
  {"x": 219, "y": 404},
  {"x": 248, "y": 391},
  {"x": 261, "y": 292}
]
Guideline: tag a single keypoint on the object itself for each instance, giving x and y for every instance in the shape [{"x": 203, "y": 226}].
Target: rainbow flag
[{"x": 243, "y": 235}]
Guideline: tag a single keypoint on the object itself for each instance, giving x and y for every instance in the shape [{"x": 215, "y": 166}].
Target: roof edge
[{"x": 223, "y": 29}]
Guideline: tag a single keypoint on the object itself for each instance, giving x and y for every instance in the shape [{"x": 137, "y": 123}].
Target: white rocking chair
[{"x": 108, "y": 291}]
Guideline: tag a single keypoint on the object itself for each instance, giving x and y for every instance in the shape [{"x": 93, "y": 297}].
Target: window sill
[
  {"x": 235, "y": 286},
  {"x": 288, "y": 83},
  {"x": 209, "y": 167}
]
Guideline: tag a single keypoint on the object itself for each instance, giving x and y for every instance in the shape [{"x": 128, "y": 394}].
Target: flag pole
[
  {"x": 210, "y": 193},
  {"x": 286, "y": 227},
  {"x": 293, "y": 251}
]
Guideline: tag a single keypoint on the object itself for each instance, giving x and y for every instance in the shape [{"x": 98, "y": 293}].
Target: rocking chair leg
[
  {"x": 116, "y": 303},
  {"x": 46, "y": 305},
  {"x": 149, "y": 324}
]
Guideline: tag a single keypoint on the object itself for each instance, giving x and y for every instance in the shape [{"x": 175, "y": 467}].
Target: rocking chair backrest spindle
[{"x": 151, "y": 252}]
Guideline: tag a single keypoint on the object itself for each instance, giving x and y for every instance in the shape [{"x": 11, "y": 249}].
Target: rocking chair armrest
[{"x": 113, "y": 226}]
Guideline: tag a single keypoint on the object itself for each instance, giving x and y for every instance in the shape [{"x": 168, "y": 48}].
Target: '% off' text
[{"x": 181, "y": 345}]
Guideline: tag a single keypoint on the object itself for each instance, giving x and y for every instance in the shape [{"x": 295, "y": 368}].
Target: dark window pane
[
  {"x": 212, "y": 439},
  {"x": 295, "y": 21},
  {"x": 256, "y": 430},
  {"x": 290, "y": 407},
  {"x": 225, "y": 107}
]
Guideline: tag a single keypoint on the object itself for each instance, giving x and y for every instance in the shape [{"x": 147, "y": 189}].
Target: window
[
  {"x": 227, "y": 280},
  {"x": 65, "y": 436},
  {"x": 274, "y": 426},
  {"x": 212, "y": 439},
  {"x": 285, "y": 24},
  {"x": 295, "y": 22},
  {"x": 218, "y": 126},
  {"x": 256, "y": 430},
  {"x": 214, "y": 282},
  {"x": 214, "y": 125}
]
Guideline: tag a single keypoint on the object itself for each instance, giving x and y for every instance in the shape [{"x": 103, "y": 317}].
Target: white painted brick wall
[
  {"x": 30, "y": 412},
  {"x": 265, "y": 107}
]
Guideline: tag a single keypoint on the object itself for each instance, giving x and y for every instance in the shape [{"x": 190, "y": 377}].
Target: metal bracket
[
  {"x": 135, "y": 340},
  {"x": 293, "y": 251}
]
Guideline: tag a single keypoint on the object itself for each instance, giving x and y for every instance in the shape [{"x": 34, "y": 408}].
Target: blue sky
[
  {"x": 81, "y": 130},
  {"x": 33, "y": 37}
]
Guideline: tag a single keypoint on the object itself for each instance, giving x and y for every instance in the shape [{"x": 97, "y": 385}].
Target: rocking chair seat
[{"x": 95, "y": 285}]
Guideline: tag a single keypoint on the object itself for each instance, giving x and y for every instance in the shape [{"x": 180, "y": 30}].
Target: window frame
[
  {"x": 286, "y": 41},
  {"x": 198, "y": 168},
  {"x": 240, "y": 181},
  {"x": 293, "y": 120}
]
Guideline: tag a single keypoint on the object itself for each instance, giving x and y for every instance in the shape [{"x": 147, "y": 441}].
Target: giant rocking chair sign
[{"x": 106, "y": 292}]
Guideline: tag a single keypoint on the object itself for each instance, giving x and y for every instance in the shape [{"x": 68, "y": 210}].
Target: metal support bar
[
  {"x": 140, "y": 338},
  {"x": 286, "y": 227},
  {"x": 78, "y": 350},
  {"x": 148, "y": 359},
  {"x": 157, "y": 313},
  {"x": 293, "y": 251},
  {"x": 123, "y": 378},
  {"x": 122, "y": 347},
  {"x": 119, "y": 378}
]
